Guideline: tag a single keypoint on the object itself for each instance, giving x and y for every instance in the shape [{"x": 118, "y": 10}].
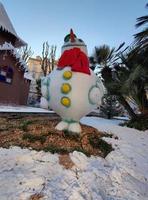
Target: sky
[{"x": 97, "y": 22}]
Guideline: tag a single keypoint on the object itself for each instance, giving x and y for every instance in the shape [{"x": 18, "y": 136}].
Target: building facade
[
  {"x": 14, "y": 77},
  {"x": 34, "y": 66}
]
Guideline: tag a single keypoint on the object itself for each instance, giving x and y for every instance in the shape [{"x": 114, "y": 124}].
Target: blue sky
[{"x": 97, "y": 22}]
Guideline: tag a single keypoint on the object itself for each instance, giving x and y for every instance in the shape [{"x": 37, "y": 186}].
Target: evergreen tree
[{"x": 111, "y": 107}]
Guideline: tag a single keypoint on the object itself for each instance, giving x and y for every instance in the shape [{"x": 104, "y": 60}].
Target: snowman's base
[
  {"x": 61, "y": 126},
  {"x": 73, "y": 127}
]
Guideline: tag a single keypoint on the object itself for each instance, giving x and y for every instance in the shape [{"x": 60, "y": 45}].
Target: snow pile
[
  {"x": 129, "y": 160},
  {"x": 28, "y": 76},
  {"x": 25, "y": 172},
  {"x": 22, "y": 109},
  {"x": 123, "y": 175}
]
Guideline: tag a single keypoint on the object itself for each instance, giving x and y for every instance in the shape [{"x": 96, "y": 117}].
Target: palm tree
[
  {"x": 104, "y": 55},
  {"x": 125, "y": 72},
  {"x": 137, "y": 78},
  {"x": 141, "y": 38},
  {"x": 140, "y": 76},
  {"x": 114, "y": 74}
]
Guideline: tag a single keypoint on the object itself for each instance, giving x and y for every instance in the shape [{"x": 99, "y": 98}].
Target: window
[{"x": 6, "y": 74}]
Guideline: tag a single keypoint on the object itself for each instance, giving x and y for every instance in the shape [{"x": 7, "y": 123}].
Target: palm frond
[
  {"x": 142, "y": 34},
  {"x": 141, "y": 21},
  {"x": 102, "y": 53},
  {"x": 120, "y": 46},
  {"x": 111, "y": 54}
]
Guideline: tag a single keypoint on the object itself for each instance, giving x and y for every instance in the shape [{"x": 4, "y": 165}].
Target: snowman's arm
[
  {"x": 100, "y": 85},
  {"x": 94, "y": 96},
  {"x": 96, "y": 93},
  {"x": 44, "y": 103}
]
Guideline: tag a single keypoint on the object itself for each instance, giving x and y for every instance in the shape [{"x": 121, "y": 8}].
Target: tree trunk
[
  {"x": 127, "y": 107},
  {"x": 144, "y": 100}
]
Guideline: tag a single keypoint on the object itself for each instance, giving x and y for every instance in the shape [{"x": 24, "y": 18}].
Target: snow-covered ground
[
  {"x": 26, "y": 109},
  {"x": 22, "y": 109},
  {"x": 122, "y": 175}
]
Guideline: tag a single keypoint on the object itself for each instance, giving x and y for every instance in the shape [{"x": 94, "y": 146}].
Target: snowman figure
[{"x": 72, "y": 89}]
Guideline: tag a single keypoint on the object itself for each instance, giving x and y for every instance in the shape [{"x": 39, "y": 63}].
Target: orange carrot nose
[{"x": 72, "y": 37}]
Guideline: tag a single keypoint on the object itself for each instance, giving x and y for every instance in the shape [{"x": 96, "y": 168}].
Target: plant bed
[{"x": 38, "y": 133}]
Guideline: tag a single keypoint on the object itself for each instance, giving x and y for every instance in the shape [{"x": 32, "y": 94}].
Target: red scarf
[{"x": 76, "y": 59}]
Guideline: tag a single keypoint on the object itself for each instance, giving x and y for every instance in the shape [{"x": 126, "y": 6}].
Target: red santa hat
[{"x": 74, "y": 57}]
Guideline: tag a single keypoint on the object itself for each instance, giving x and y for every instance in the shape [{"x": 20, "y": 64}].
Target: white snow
[
  {"x": 14, "y": 52},
  {"x": 122, "y": 175},
  {"x": 22, "y": 109},
  {"x": 121, "y": 118},
  {"x": 28, "y": 76}
]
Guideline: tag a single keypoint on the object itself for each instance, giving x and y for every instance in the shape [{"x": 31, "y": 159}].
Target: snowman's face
[
  {"x": 78, "y": 43},
  {"x": 83, "y": 48}
]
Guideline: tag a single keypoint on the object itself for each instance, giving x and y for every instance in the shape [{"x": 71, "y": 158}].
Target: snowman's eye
[
  {"x": 80, "y": 40},
  {"x": 67, "y": 38}
]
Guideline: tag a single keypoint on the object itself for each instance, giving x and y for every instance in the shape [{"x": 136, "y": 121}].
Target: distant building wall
[
  {"x": 34, "y": 66},
  {"x": 17, "y": 91}
]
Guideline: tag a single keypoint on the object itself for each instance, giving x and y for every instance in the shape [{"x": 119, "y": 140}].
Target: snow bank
[
  {"x": 22, "y": 109},
  {"x": 123, "y": 175},
  {"x": 129, "y": 160}
]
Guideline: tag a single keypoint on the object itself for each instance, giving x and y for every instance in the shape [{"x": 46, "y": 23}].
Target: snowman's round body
[
  {"x": 71, "y": 95},
  {"x": 72, "y": 90},
  {"x": 78, "y": 95}
]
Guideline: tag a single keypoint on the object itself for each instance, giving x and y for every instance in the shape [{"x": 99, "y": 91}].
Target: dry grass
[
  {"x": 36, "y": 196},
  {"x": 38, "y": 133},
  {"x": 65, "y": 160}
]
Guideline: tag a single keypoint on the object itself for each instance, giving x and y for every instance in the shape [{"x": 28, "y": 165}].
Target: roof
[{"x": 6, "y": 25}]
